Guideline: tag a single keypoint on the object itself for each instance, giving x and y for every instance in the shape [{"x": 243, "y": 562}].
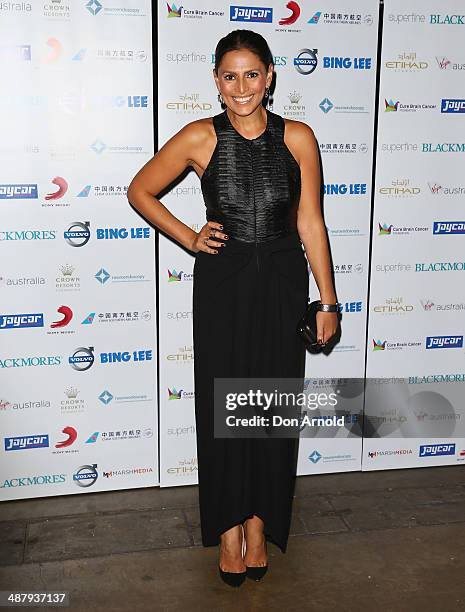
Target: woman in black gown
[{"x": 260, "y": 180}]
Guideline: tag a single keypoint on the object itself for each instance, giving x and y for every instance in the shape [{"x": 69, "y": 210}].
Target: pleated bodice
[{"x": 252, "y": 186}]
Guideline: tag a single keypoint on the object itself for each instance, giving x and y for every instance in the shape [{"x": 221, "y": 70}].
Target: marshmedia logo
[
  {"x": 449, "y": 227},
  {"x": 18, "y": 191},
  {"x": 452, "y": 105},
  {"x": 251, "y": 14},
  {"x": 441, "y": 342}
]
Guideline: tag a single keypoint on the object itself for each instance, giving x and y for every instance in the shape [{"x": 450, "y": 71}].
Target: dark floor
[{"x": 361, "y": 541}]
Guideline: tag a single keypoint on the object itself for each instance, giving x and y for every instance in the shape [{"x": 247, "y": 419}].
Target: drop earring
[{"x": 220, "y": 99}]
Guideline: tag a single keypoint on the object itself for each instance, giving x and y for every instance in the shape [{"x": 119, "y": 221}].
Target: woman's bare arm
[
  {"x": 183, "y": 149},
  {"x": 310, "y": 223}
]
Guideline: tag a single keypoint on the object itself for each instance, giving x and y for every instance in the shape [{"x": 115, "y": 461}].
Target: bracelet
[{"x": 329, "y": 307}]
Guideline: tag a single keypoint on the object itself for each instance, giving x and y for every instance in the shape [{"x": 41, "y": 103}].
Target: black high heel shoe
[
  {"x": 256, "y": 572},
  {"x": 234, "y": 579}
]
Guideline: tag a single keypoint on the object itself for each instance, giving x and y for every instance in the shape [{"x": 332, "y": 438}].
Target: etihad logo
[
  {"x": 400, "y": 188},
  {"x": 189, "y": 103},
  {"x": 394, "y": 305},
  {"x": 406, "y": 62}
]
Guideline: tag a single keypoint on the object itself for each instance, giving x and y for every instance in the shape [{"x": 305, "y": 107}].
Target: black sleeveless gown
[{"x": 247, "y": 300}]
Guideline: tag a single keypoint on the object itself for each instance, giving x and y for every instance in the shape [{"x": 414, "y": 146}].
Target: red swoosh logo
[
  {"x": 72, "y": 435},
  {"x": 67, "y": 316},
  {"x": 295, "y": 8},
  {"x": 56, "y": 49},
  {"x": 62, "y": 189}
]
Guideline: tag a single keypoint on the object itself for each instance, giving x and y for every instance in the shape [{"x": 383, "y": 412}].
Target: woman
[{"x": 260, "y": 179}]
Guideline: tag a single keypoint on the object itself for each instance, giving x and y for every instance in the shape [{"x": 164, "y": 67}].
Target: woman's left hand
[{"x": 326, "y": 326}]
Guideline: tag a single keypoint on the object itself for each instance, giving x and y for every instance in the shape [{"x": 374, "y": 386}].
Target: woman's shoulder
[
  {"x": 298, "y": 129},
  {"x": 199, "y": 131}
]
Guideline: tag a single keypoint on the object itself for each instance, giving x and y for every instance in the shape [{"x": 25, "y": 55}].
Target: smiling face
[{"x": 242, "y": 79}]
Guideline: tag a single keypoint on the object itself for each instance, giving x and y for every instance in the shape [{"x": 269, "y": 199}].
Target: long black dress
[{"x": 247, "y": 300}]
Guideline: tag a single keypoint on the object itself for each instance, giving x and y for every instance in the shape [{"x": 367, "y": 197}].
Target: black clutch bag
[{"x": 306, "y": 328}]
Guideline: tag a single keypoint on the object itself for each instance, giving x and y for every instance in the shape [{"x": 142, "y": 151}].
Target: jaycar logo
[
  {"x": 16, "y": 321},
  {"x": 433, "y": 450},
  {"x": 251, "y": 14},
  {"x": 452, "y": 106},
  {"x": 440, "y": 342},
  {"x": 449, "y": 227}
]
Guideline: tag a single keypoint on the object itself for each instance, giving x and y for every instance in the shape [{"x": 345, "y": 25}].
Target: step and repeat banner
[
  {"x": 78, "y": 360},
  {"x": 325, "y": 63},
  {"x": 417, "y": 293},
  {"x": 78, "y": 382}
]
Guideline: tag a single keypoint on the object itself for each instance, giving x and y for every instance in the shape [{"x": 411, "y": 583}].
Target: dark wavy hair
[{"x": 244, "y": 39}]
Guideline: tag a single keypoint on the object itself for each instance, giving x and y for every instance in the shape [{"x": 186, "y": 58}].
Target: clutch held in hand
[{"x": 307, "y": 329}]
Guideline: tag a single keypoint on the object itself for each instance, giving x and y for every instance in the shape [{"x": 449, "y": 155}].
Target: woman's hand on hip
[{"x": 208, "y": 238}]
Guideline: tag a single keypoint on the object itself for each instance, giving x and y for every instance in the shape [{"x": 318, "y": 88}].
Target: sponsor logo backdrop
[
  {"x": 417, "y": 292},
  {"x": 325, "y": 63},
  {"x": 77, "y": 320}
]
